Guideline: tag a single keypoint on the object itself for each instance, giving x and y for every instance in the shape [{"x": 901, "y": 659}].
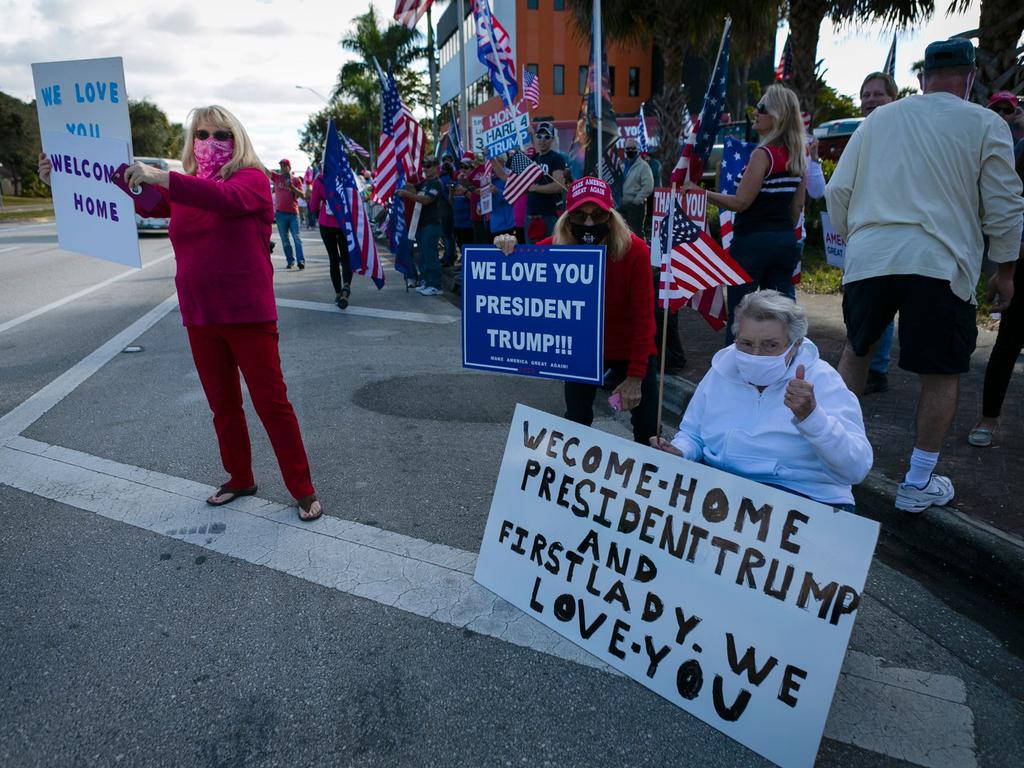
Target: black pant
[
  {"x": 336, "y": 244},
  {"x": 465, "y": 236},
  {"x": 579, "y": 400},
  {"x": 675, "y": 356},
  {"x": 634, "y": 214},
  {"x": 1009, "y": 343},
  {"x": 769, "y": 258}
]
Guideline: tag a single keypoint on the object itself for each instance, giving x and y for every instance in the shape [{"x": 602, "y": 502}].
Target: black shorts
[{"x": 938, "y": 330}]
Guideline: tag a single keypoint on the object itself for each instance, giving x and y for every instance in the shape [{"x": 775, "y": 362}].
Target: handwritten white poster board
[
  {"x": 731, "y": 599},
  {"x": 94, "y": 217},
  {"x": 83, "y": 98}
]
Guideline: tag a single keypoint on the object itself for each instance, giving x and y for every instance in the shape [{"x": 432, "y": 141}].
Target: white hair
[{"x": 772, "y": 305}]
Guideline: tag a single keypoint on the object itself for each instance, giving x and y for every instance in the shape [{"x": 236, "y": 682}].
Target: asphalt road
[{"x": 128, "y": 638}]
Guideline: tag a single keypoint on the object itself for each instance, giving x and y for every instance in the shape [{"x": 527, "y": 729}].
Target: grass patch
[
  {"x": 817, "y": 275},
  {"x": 26, "y": 215},
  {"x": 13, "y": 202}
]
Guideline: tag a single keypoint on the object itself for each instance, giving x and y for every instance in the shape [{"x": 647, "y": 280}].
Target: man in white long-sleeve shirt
[{"x": 915, "y": 191}]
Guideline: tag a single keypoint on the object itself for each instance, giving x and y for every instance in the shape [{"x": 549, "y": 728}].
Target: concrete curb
[{"x": 944, "y": 533}]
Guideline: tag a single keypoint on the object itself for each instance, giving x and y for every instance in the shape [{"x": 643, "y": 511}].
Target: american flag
[
  {"x": 890, "y": 59},
  {"x": 699, "y": 143},
  {"x": 402, "y": 141},
  {"x": 784, "y": 69},
  {"x": 343, "y": 197},
  {"x": 522, "y": 172},
  {"x": 490, "y": 35},
  {"x": 735, "y": 156},
  {"x": 531, "y": 88},
  {"x": 409, "y": 12},
  {"x": 695, "y": 263},
  {"x": 641, "y": 133},
  {"x": 455, "y": 135},
  {"x": 351, "y": 146}
]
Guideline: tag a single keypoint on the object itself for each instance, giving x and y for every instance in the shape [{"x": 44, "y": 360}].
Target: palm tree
[
  {"x": 999, "y": 51},
  {"x": 674, "y": 30},
  {"x": 806, "y": 17},
  {"x": 394, "y": 47}
]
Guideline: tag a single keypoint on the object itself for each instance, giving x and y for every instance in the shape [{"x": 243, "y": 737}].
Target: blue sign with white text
[{"x": 538, "y": 312}]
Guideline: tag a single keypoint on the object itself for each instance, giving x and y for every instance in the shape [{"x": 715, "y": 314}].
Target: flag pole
[
  {"x": 463, "y": 96},
  {"x": 599, "y": 81},
  {"x": 664, "y": 311}
]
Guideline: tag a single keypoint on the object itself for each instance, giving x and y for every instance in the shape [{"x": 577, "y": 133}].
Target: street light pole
[{"x": 319, "y": 95}]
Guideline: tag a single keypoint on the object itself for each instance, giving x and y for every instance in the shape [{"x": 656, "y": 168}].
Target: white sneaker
[
  {"x": 431, "y": 291},
  {"x": 938, "y": 492},
  {"x": 421, "y": 290}
]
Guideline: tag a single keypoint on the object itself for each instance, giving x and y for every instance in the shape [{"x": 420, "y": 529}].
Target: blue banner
[{"x": 538, "y": 312}]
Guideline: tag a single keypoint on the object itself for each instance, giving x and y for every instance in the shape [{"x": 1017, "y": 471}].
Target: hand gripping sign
[{"x": 731, "y": 599}]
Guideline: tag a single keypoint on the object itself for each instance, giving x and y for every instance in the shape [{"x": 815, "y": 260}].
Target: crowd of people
[{"x": 927, "y": 189}]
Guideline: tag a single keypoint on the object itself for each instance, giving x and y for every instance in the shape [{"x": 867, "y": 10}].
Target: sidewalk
[{"x": 982, "y": 530}]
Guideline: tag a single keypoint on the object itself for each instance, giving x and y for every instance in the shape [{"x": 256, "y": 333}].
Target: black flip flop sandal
[
  {"x": 310, "y": 501},
  {"x": 232, "y": 493}
]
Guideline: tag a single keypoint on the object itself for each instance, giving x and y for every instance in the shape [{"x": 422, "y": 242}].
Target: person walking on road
[
  {"x": 287, "y": 191},
  {"x": 768, "y": 201},
  {"x": 221, "y": 215},
  {"x": 335, "y": 242},
  {"x": 921, "y": 183},
  {"x": 590, "y": 218}
]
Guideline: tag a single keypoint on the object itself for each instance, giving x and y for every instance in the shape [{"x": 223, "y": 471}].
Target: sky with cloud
[{"x": 250, "y": 55}]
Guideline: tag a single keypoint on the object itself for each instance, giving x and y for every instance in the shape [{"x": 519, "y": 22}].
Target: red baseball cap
[
  {"x": 468, "y": 156},
  {"x": 285, "y": 161},
  {"x": 1006, "y": 96},
  {"x": 589, "y": 189}
]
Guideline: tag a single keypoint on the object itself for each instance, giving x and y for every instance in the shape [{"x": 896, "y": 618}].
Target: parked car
[
  {"x": 834, "y": 135},
  {"x": 146, "y": 224}
]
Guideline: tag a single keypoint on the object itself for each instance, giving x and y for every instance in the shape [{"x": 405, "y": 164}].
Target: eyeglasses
[
  {"x": 598, "y": 217},
  {"x": 218, "y": 135},
  {"x": 544, "y": 137},
  {"x": 1007, "y": 110},
  {"x": 762, "y": 109}
]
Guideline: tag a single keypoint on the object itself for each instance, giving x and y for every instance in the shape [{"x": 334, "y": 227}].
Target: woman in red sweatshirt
[
  {"x": 590, "y": 218},
  {"x": 221, "y": 214}
]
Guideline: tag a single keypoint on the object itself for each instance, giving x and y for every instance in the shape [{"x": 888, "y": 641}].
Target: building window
[
  {"x": 634, "y": 81},
  {"x": 532, "y": 69},
  {"x": 583, "y": 79},
  {"x": 559, "y": 5},
  {"x": 531, "y": 5},
  {"x": 558, "y": 80},
  {"x": 611, "y": 81}
]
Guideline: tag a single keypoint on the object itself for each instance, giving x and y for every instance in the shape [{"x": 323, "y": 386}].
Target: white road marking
[
  {"x": 84, "y": 292},
  {"x": 12, "y": 248},
  {"x": 17, "y": 420},
  {"x": 384, "y": 314},
  {"x": 915, "y": 716}
]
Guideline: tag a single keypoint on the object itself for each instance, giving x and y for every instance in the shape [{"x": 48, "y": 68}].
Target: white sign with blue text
[
  {"x": 732, "y": 599},
  {"x": 538, "y": 312},
  {"x": 94, "y": 216},
  {"x": 82, "y": 98}
]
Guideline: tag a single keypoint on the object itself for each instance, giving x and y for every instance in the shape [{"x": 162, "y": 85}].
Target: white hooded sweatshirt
[{"x": 733, "y": 427}]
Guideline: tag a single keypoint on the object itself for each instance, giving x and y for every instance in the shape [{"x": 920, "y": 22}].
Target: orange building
[{"x": 545, "y": 42}]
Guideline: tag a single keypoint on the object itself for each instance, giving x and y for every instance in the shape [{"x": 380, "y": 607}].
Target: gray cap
[{"x": 955, "y": 52}]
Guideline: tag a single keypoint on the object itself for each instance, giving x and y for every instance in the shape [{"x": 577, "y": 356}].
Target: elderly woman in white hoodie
[{"x": 771, "y": 410}]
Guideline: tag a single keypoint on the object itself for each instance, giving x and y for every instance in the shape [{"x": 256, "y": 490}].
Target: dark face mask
[
  {"x": 631, "y": 153},
  {"x": 589, "y": 234}
]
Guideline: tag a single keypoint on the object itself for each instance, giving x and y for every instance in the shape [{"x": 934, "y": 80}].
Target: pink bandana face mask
[{"x": 211, "y": 155}]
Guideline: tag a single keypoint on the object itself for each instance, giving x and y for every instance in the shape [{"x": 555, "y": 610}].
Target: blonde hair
[
  {"x": 618, "y": 239},
  {"x": 788, "y": 128},
  {"x": 244, "y": 155}
]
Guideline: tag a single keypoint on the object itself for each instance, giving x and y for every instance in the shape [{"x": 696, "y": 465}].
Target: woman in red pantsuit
[{"x": 221, "y": 215}]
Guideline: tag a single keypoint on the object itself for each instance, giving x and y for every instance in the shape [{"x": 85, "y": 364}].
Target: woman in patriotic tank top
[{"x": 768, "y": 200}]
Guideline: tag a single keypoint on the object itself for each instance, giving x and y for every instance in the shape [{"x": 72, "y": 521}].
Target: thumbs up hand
[{"x": 799, "y": 397}]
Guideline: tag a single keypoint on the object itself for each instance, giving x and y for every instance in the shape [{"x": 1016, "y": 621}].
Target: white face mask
[{"x": 763, "y": 370}]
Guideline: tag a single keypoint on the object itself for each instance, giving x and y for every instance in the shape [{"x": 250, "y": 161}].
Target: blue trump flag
[
  {"x": 343, "y": 198},
  {"x": 539, "y": 312}
]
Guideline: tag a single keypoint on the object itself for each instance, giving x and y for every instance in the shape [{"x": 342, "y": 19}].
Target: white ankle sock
[{"x": 922, "y": 464}]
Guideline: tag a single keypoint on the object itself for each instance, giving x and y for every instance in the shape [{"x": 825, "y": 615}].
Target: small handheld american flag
[{"x": 522, "y": 173}]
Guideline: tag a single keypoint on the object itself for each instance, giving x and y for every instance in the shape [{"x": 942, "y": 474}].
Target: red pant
[{"x": 220, "y": 351}]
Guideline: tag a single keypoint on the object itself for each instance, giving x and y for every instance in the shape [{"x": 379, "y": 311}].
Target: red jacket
[
  {"x": 318, "y": 204},
  {"x": 220, "y": 232},
  {"x": 628, "y": 307}
]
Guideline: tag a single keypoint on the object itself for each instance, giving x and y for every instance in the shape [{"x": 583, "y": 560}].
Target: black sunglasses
[
  {"x": 762, "y": 109},
  {"x": 1007, "y": 110},
  {"x": 218, "y": 135}
]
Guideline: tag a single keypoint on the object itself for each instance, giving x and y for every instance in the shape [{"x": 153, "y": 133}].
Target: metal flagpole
[
  {"x": 665, "y": 267},
  {"x": 433, "y": 78},
  {"x": 599, "y": 82},
  {"x": 463, "y": 95}
]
